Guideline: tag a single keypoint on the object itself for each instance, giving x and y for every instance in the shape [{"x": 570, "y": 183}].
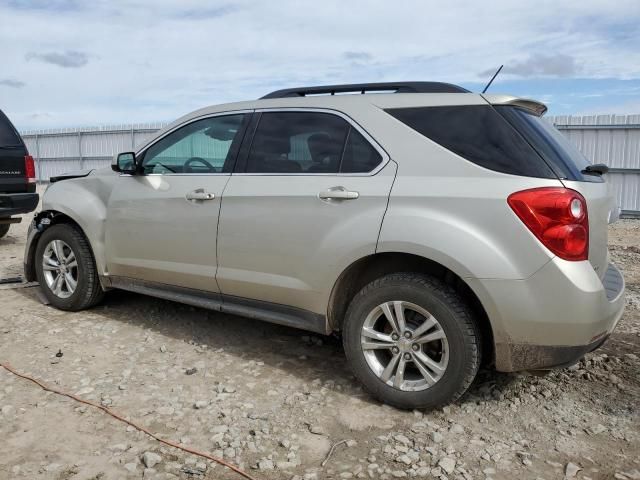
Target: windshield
[{"x": 561, "y": 155}]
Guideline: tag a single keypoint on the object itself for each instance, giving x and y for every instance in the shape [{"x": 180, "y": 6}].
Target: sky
[{"x": 71, "y": 63}]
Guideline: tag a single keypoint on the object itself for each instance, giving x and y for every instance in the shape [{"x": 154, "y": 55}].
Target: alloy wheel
[
  {"x": 405, "y": 346},
  {"x": 60, "y": 268}
]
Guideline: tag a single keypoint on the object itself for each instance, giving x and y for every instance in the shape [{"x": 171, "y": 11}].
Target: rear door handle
[
  {"x": 338, "y": 193},
  {"x": 200, "y": 194}
]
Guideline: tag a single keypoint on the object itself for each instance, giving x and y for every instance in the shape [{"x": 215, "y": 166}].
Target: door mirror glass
[{"x": 124, "y": 163}]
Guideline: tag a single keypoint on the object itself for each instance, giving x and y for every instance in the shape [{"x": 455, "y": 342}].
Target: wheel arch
[
  {"x": 364, "y": 270},
  {"x": 42, "y": 221}
]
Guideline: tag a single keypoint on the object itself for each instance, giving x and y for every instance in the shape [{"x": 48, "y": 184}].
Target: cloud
[
  {"x": 539, "y": 64},
  {"x": 8, "y": 82},
  {"x": 357, "y": 56},
  {"x": 207, "y": 12},
  {"x": 49, "y": 5},
  {"x": 68, "y": 59}
]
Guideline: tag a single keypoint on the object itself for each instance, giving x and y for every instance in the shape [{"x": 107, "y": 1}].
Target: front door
[
  {"x": 162, "y": 223},
  {"x": 308, "y": 201}
]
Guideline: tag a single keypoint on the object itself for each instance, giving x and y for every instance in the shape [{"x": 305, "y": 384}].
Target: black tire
[
  {"x": 4, "y": 228},
  {"x": 88, "y": 291},
  {"x": 455, "y": 319}
]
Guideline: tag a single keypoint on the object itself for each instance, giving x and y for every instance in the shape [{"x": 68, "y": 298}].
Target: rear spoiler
[{"x": 533, "y": 106}]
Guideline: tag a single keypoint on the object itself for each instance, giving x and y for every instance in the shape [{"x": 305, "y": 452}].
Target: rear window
[
  {"x": 479, "y": 134},
  {"x": 559, "y": 153},
  {"x": 8, "y": 135}
]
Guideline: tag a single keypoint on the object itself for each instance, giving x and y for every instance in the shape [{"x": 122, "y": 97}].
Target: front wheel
[
  {"x": 412, "y": 341},
  {"x": 66, "y": 269}
]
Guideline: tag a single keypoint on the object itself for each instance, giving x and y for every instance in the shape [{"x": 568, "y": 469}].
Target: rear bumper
[
  {"x": 554, "y": 317},
  {"x": 17, "y": 203}
]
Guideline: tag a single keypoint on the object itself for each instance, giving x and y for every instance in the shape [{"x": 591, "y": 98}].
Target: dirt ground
[{"x": 274, "y": 400}]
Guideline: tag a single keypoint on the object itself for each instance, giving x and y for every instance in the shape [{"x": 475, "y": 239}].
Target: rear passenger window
[
  {"x": 479, "y": 134},
  {"x": 359, "y": 154},
  {"x": 297, "y": 142}
]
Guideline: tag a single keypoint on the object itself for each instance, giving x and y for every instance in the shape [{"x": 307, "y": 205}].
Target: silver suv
[{"x": 433, "y": 227}]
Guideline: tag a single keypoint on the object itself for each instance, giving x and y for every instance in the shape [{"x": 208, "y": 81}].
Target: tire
[
  {"x": 453, "y": 356},
  {"x": 4, "y": 228},
  {"x": 87, "y": 291}
]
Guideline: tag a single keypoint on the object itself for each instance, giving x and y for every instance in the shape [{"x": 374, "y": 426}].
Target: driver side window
[{"x": 202, "y": 146}]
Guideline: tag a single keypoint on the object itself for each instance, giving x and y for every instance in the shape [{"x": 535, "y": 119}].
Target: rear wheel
[
  {"x": 412, "y": 341},
  {"x": 4, "y": 228},
  {"x": 66, "y": 270}
]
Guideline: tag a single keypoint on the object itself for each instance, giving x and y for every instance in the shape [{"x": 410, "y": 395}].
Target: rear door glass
[
  {"x": 359, "y": 154},
  {"x": 297, "y": 142},
  {"x": 479, "y": 134}
]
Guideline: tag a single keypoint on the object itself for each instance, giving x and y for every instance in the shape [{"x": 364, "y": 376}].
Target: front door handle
[
  {"x": 200, "y": 194},
  {"x": 338, "y": 193}
]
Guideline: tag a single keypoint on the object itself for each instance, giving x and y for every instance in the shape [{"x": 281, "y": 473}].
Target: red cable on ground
[{"x": 138, "y": 427}]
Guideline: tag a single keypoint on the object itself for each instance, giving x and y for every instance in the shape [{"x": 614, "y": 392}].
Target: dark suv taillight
[
  {"x": 557, "y": 217},
  {"x": 29, "y": 169}
]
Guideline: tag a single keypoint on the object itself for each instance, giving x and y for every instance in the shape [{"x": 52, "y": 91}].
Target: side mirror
[{"x": 124, "y": 163}]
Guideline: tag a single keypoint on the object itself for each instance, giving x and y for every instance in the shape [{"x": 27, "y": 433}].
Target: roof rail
[{"x": 395, "y": 87}]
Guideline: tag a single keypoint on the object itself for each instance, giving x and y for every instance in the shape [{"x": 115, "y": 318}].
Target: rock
[
  {"x": 316, "y": 430},
  {"x": 351, "y": 443},
  {"x": 596, "y": 429},
  {"x": 402, "y": 439},
  {"x": 219, "y": 429},
  {"x": 150, "y": 459},
  {"x": 163, "y": 348},
  {"x": 455, "y": 428},
  {"x": 404, "y": 459},
  {"x": 200, "y": 404},
  {"x": 398, "y": 474},
  {"x": 191, "y": 371},
  {"x": 131, "y": 467},
  {"x": 437, "y": 437},
  {"x": 265, "y": 464},
  {"x": 149, "y": 473},
  {"x": 7, "y": 410},
  {"x": 571, "y": 470},
  {"x": 229, "y": 390},
  {"x": 447, "y": 464}
]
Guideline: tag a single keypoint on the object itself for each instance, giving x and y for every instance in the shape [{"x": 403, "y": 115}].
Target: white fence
[{"x": 610, "y": 139}]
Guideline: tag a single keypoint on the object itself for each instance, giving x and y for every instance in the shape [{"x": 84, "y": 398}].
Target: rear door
[
  {"x": 306, "y": 201},
  {"x": 12, "y": 159},
  {"x": 162, "y": 223}
]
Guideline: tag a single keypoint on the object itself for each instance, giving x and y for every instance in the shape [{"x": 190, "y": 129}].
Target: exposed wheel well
[
  {"x": 55, "y": 218},
  {"x": 367, "y": 269}
]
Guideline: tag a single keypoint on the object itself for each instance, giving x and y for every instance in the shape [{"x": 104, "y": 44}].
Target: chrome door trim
[{"x": 385, "y": 156}]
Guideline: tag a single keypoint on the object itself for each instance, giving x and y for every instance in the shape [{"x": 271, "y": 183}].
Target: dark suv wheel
[
  {"x": 66, "y": 269},
  {"x": 4, "y": 229},
  {"x": 412, "y": 341}
]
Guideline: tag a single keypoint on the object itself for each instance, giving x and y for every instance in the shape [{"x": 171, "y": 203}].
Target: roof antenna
[{"x": 492, "y": 79}]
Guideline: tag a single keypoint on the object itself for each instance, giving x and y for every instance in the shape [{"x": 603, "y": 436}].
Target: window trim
[
  {"x": 352, "y": 123},
  {"x": 151, "y": 143}
]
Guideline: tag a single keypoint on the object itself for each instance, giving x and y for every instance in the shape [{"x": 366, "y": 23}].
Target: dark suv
[{"x": 17, "y": 176}]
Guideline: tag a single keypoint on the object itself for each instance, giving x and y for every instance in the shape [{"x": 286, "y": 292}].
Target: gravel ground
[{"x": 273, "y": 400}]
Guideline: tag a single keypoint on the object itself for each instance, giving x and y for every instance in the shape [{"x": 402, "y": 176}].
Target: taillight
[
  {"x": 29, "y": 169},
  {"x": 558, "y": 217}
]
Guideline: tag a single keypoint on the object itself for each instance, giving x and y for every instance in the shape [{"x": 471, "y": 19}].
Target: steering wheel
[{"x": 192, "y": 160}]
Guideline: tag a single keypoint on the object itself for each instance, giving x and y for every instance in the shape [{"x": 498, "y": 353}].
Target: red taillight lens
[
  {"x": 558, "y": 217},
  {"x": 29, "y": 169}
]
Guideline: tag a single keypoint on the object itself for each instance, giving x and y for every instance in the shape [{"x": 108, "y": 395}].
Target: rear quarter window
[
  {"x": 8, "y": 135},
  {"x": 479, "y": 134}
]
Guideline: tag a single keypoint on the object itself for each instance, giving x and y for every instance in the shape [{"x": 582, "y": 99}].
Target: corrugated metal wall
[
  {"x": 610, "y": 139},
  {"x": 615, "y": 141}
]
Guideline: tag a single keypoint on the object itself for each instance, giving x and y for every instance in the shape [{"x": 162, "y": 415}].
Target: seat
[{"x": 325, "y": 153}]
